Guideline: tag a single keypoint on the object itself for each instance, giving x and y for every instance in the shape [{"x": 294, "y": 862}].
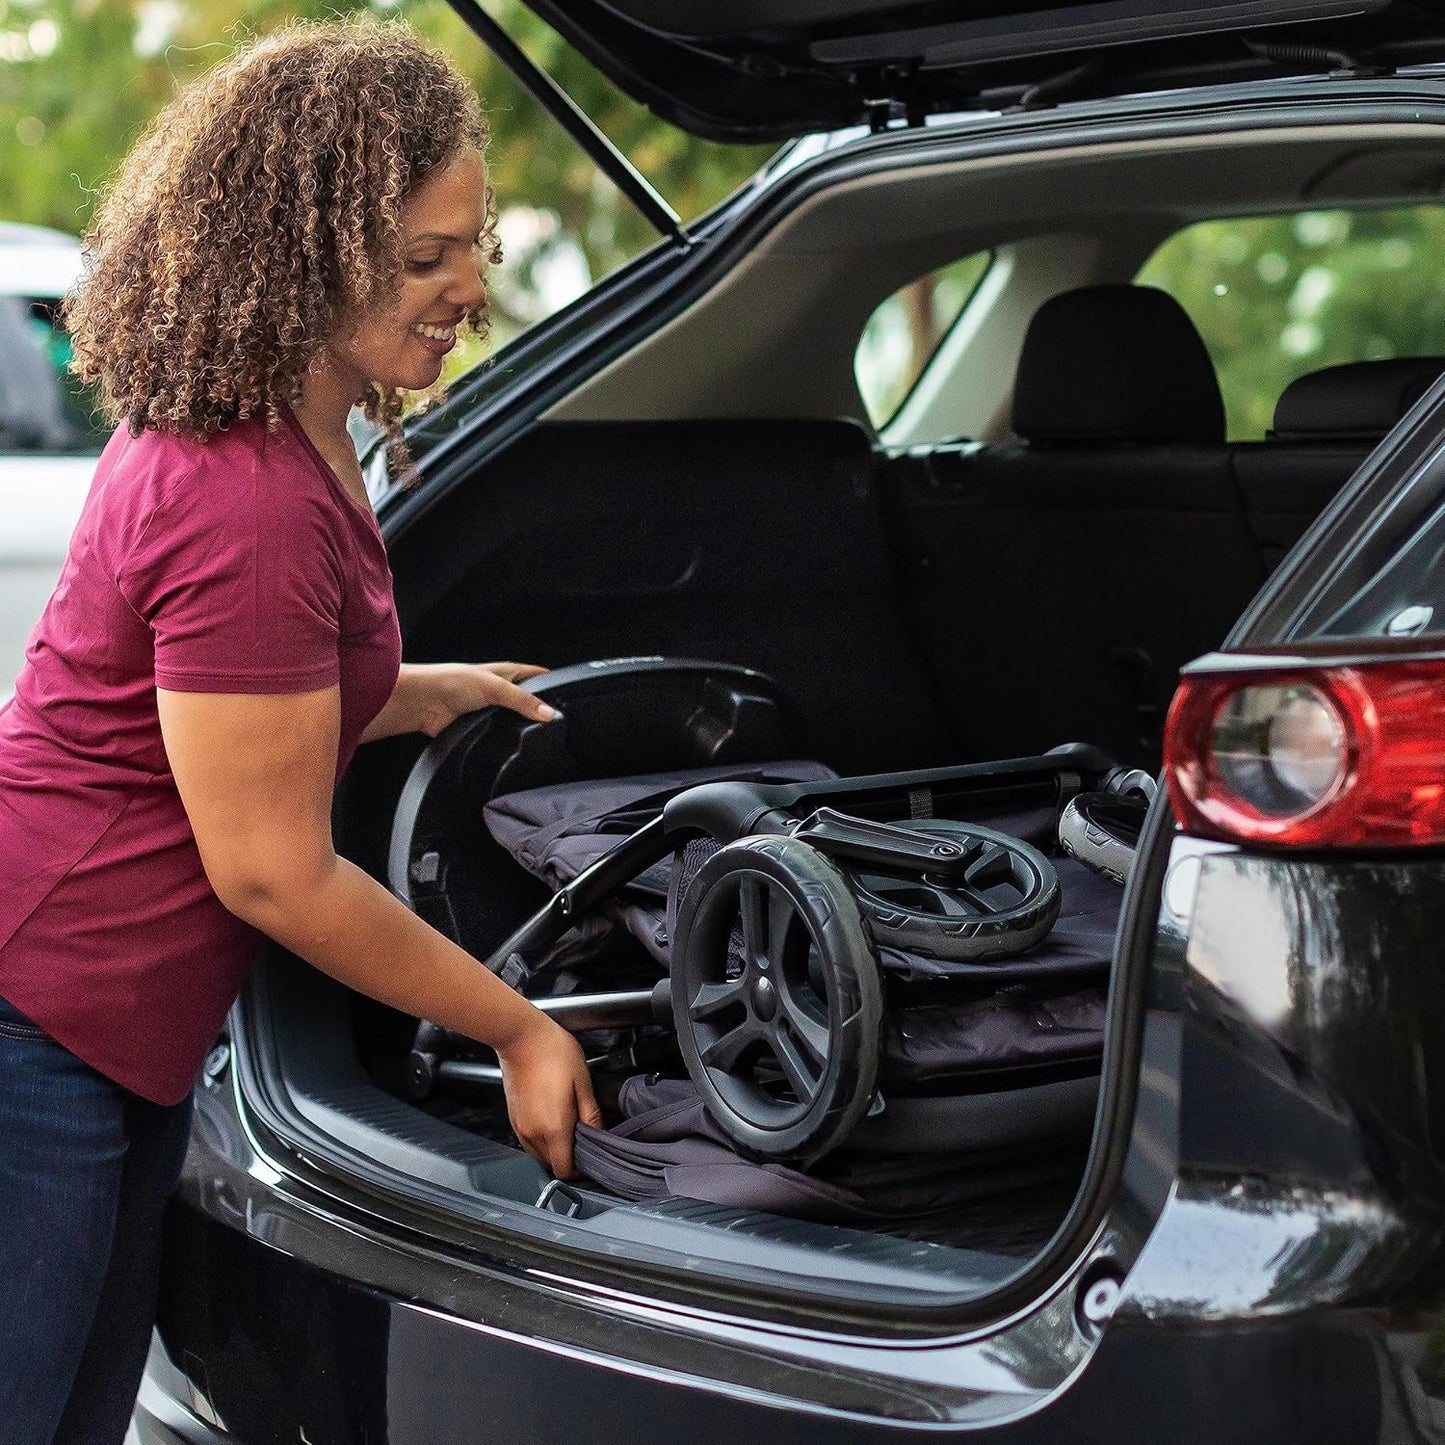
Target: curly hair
[{"x": 262, "y": 206}]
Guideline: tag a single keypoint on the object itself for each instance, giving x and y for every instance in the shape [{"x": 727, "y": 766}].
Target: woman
[{"x": 304, "y": 228}]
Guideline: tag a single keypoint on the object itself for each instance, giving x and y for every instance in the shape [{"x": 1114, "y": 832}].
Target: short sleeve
[{"x": 239, "y": 580}]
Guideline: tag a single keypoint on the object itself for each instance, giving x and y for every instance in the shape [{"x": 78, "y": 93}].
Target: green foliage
[
  {"x": 80, "y": 80},
  {"x": 1275, "y": 297}
]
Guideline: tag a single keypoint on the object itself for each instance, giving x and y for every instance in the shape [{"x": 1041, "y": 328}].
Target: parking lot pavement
[{"x": 24, "y": 589}]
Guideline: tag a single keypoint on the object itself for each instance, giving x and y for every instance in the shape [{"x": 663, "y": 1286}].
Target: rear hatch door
[{"x": 765, "y": 70}]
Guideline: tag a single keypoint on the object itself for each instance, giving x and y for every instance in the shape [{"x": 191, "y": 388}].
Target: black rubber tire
[
  {"x": 796, "y": 877},
  {"x": 971, "y": 939}
]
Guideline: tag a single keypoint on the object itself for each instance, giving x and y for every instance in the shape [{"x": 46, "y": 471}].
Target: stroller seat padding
[
  {"x": 555, "y": 832},
  {"x": 930, "y": 1045}
]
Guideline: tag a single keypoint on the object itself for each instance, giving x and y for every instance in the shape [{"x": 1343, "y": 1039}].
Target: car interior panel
[
  {"x": 727, "y": 539},
  {"x": 750, "y": 345}
]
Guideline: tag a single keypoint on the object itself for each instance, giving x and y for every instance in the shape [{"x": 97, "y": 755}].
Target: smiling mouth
[{"x": 436, "y": 333}]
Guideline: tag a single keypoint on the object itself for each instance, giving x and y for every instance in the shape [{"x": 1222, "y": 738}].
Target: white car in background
[{"x": 48, "y": 439}]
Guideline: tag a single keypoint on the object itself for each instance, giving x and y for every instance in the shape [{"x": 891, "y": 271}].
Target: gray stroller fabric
[
  {"x": 928, "y": 1045},
  {"x": 668, "y": 1145},
  {"x": 557, "y": 831},
  {"x": 949, "y": 1021}
]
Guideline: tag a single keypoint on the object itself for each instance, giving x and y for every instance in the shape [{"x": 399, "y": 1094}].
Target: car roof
[
  {"x": 758, "y": 70},
  {"x": 37, "y": 261}
]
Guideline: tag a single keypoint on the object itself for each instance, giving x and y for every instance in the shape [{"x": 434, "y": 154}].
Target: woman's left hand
[{"x": 430, "y": 695}]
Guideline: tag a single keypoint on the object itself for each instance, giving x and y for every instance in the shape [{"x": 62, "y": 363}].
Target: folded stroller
[{"x": 905, "y": 962}]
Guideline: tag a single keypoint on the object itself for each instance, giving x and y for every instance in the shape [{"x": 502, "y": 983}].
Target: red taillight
[{"x": 1328, "y": 757}]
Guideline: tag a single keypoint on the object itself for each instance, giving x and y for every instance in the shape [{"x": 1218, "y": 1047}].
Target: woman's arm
[
  {"x": 255, "y": 774},
  {"x": 429, "y": 695}
]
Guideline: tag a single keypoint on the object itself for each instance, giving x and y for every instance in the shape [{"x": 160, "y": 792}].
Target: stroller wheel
[
  {"x": 777, "y": 998},
  {"x": 1000, "y": 899},
  {"x": 1102, "y": 831}
]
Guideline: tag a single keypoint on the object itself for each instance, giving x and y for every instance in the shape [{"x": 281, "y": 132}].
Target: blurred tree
[
  {"x": 1275, "y": 297},
  {"x": 904, "y": 332},
  {"x": 80, "y": 79}
]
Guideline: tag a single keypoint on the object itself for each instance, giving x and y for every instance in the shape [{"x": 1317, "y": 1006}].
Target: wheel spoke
[
  {"x": 957, "y": 902},
  {"x": 799, "y": 1070},
  {"x": 727, "y": 1049},
  {"x": 993, "y": 866},
  {"x": 977, "y": 903},
  {"x": 712, "y": 999},
  {"x": 809, "y": 1030}
]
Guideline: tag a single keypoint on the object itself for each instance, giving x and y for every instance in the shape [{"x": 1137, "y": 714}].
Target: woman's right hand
[
  {"x": 256, "y": 774},
  {"x": 548, "y": 1091}
]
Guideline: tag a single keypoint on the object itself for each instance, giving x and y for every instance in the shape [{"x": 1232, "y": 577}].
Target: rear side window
[
  {"x": 1275, "y": 297},
  {"x": 903, "y": 334}
]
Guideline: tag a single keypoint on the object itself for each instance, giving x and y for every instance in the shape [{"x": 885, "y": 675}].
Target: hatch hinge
[
  {"x": 896, "y": 105},
  {"x": 886, "y": 114},
  {"x": 575, "y": 121}
]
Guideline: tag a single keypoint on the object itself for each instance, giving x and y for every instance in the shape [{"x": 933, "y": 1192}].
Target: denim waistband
[{"x": 16, "y": 1024}]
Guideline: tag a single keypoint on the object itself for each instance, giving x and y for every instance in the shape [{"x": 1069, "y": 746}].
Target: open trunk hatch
[{"x": 770, "y": 69}]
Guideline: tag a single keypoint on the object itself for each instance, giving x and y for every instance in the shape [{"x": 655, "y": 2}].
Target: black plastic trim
[
  {"x": 1396, "y": 489},
  {"x": 340, "y": 1160},
  {"x": 760, "y": 72},
  {"x": 1075, "y": 27}
]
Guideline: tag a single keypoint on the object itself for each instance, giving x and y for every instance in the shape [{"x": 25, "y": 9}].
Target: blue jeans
[{"x": 85, "y": 1170}]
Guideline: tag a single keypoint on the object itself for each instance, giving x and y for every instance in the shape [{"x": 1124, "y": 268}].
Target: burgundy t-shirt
[{"x": 240, "y": 565}]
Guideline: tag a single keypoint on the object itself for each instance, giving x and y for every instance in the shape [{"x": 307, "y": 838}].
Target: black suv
[{"x": 1240, "y": 1237}]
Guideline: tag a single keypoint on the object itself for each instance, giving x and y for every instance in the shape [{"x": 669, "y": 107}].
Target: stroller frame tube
[{"x": 648, "y": 845}]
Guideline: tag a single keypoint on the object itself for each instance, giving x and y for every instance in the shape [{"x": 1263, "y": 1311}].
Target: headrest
[
  {"x": 1359, "y": 401},
  {"x": 1116, "y": 363}
]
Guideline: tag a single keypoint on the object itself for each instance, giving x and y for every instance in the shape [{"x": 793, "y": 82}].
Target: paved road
[{"x": 24, "y": 588}]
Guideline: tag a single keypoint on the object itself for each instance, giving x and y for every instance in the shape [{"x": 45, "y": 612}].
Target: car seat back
[
  {"x": 754, "y": 542},
  {"x": 1325, "y": 424},
  {"x": 1061, "y": 581}
]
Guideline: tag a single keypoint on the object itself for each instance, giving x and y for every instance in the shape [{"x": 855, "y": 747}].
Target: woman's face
[{"x": 402, "y": 344}]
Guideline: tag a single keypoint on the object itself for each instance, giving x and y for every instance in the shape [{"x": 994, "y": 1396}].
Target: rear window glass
[
  {"x": 903, "y": 334},
  {"x": 1275, "y": 297}
]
